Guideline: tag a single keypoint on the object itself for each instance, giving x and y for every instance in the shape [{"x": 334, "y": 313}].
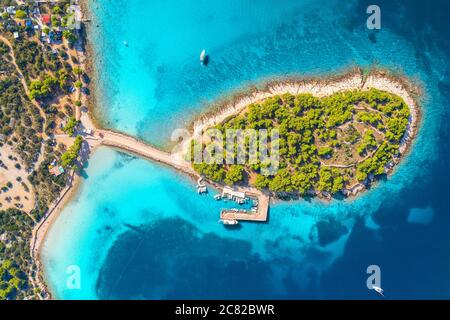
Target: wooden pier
[{"x": 260, "y": 215}]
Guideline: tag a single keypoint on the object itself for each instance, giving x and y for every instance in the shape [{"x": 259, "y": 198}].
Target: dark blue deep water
[{"x": 138, "y": 230}]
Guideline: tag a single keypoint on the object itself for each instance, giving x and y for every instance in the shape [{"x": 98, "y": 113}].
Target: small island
[{"x": 330, "y": 145}]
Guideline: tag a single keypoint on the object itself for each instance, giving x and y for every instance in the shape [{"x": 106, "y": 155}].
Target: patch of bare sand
[{"x": 16, "y": 191}]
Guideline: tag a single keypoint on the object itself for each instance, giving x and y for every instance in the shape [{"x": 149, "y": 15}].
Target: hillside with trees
[{"x": 40, "y": 78}]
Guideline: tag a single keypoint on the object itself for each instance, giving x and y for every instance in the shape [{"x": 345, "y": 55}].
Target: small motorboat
[
  {"x": 203, "y": 58},
  {"x": 200, "y": 182},
  {"x": 217, "y": 197},
  {"x": 229, "y": 222},
  {"x": 201, "y": 190},
  {"x": 126, "y": 44},
  {"x": 378, "y": 290}
]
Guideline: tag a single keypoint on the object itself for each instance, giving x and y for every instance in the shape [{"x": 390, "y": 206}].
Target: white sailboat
[{"x": 203, "y": 56}]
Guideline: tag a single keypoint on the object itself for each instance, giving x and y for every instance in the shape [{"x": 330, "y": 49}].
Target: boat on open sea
[
  {"x": 378, "y": 290},
  {"x": 203, "y": 58}
]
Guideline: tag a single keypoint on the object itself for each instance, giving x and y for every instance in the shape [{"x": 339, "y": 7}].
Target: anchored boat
[
  {"x": 203, "y": 58},
  {"x": 378, "y": 290},
  {"x": 229, "y": 222},
  {"x": 201, "y": 187}
]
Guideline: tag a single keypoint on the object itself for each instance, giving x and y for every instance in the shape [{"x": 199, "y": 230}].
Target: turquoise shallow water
[{"x": 139, "y": 230}]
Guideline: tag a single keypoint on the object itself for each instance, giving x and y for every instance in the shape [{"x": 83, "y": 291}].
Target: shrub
[{"x": 20, "y": 14}]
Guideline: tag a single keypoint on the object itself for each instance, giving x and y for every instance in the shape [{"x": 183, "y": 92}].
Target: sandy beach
[{"x": 42, "y": 228}]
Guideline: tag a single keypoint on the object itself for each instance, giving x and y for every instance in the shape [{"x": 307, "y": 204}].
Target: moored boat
[
  {"x": 229, "y": 222},
  {"x": 203, "y": 57}
]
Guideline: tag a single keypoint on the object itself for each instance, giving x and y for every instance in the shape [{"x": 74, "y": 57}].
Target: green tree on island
[
  {"x": 20, "y": 14},
  {"x": 56, "y": 10},
  {"x": 69, "y": 128},
  {"x": 77, "y": 71},
  {"x": 325, "y": 144},
  {"x": 69, "y": 36},
  {"x": 43, "y": 88},
  {"x": 68, "y": 158},
  {"x": 234, "y": 174},
  {"x": 78, "y": 84},
  {"x": 56, "y": 22}
]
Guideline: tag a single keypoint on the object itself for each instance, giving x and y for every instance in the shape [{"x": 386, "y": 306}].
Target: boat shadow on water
[
  {"x": 233, "y": 227},
  {"x": 205, "y": 60}
]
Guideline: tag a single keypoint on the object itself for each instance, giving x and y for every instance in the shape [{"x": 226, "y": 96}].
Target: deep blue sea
[{"x": 138, "y": 230}]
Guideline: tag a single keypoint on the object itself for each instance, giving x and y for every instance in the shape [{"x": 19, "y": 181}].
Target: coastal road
[{"x": 140, "y": 148}]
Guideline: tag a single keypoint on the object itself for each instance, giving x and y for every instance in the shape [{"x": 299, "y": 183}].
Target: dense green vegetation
[
  {"x": 20, "y": 14},
  {"x": 68, "y": 158},
  {"x": 43, "y": 88},
  {"x": 325, "y": 144},
  {"x": 20, "y": 120},
  {"x": 21, "y": 127},
  {"x": 15, "y": 231},
  {"x": 39, "y": 65},
  {"x": 70, "y": 126},
  {"x": 69, "y": 36},
  {"x": 27, "y": 124}
]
